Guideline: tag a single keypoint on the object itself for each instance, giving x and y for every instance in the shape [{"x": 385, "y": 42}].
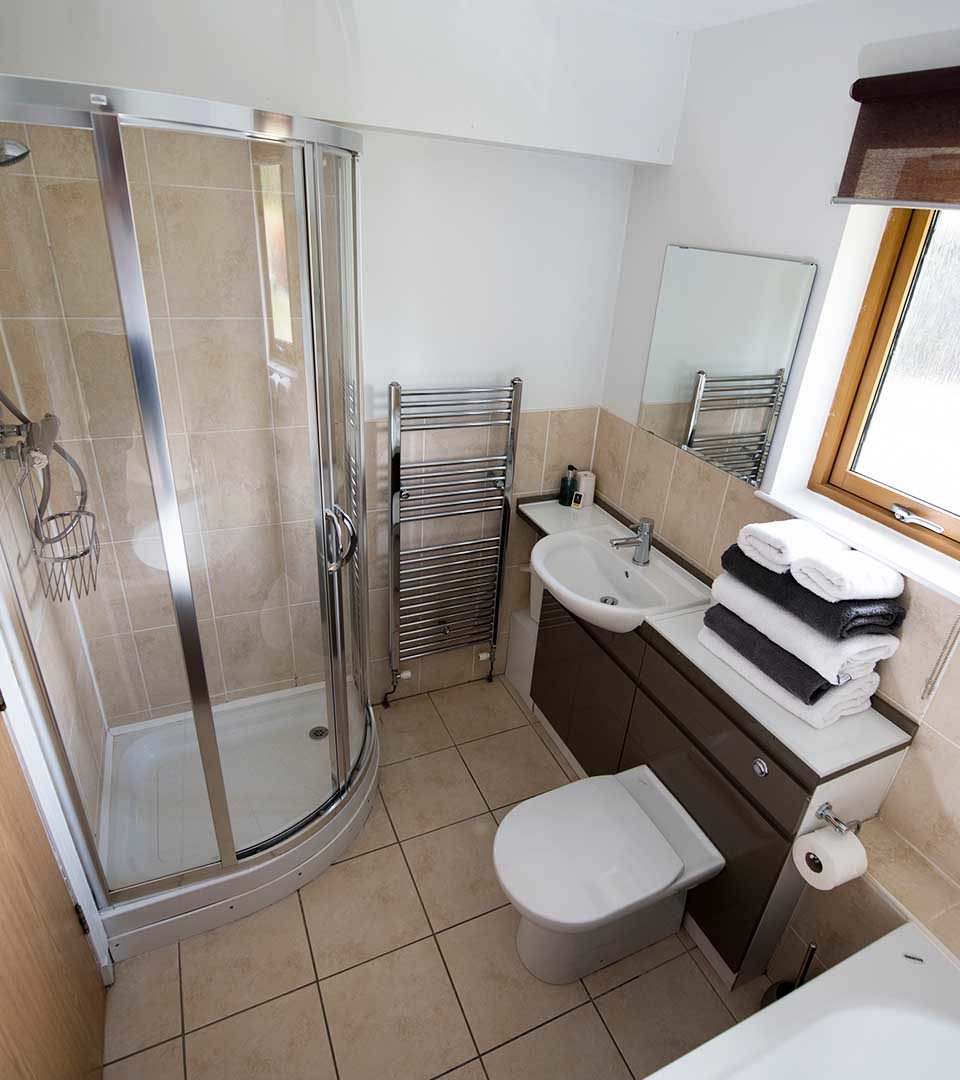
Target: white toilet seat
[{"x": 583, "y": 855}]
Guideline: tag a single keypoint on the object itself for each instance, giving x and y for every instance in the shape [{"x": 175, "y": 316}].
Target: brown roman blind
[{"x": 906, "y": 145}]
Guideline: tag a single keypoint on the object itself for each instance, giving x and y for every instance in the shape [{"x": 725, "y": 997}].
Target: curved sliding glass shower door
[{"x": 183, "y": 300}]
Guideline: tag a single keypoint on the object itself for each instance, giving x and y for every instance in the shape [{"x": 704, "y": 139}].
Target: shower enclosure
[{"x": 178, "y": 319}]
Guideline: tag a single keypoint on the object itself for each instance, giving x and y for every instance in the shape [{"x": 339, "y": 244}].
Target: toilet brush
[{"x": 780, "y": 989}]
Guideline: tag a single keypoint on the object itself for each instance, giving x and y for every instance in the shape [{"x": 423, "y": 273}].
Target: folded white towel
[
  {"x": 776, "y": 544},
  {"x": 837, "y": 661},
  {"x": 847, "y": 700},
  {"x": 847, "y": 575}
]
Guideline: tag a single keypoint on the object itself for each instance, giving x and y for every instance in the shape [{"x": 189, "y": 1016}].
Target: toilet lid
[{"x": 577, "y": 857}]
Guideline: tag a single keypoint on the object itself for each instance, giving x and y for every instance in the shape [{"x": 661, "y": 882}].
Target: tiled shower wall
[
  {"x": 915, "y": 848},
  {"x": 234, "y": 402},
  {"x": 547, "y": 442}
]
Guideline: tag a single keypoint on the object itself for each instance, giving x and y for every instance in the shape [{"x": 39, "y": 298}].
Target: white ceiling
[{"x": 699, "y": 14}]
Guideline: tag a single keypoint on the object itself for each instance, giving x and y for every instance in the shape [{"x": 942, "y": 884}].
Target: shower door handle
[{"x": 338, "y": 521}]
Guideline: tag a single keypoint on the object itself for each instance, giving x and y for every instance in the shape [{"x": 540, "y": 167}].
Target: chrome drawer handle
[
  {"x": 908, "y": 517},
  {"x": 760, "y": 767}
]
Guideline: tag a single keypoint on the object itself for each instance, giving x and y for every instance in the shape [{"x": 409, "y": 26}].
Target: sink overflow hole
[
  {"x": 610, "y": 601},
  {"x": 318, "y": 732}
]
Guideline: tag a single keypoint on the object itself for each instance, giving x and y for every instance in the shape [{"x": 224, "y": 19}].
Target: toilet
[{"x": 597, "y": 870}]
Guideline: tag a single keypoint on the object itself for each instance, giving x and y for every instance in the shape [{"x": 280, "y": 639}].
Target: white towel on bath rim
[
  {"x": 836, "y": 661},
  {"x": 847, "y": 575},
  {"x": 776, "y": 544},
  {"x": 839, "y": 701}
]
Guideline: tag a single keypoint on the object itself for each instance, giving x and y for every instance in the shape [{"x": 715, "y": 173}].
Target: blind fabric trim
[{"x": 906, "y": 145}]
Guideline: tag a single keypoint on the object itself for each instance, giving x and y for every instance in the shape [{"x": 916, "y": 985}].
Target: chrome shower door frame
[{"x": 105, "y": 110}]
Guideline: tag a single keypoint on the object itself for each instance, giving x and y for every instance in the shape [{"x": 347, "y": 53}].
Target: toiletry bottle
[{"x": 568, "y": 485}]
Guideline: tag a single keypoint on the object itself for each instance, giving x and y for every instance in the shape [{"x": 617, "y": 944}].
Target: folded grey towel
[
  {"x": 784, "y": 668},
  {"x": 839, "y": 620}
]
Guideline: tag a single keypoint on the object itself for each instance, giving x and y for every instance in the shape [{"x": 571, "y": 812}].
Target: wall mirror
[{"x": 725, "y": 334}]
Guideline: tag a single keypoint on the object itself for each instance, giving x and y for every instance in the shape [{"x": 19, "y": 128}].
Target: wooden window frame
[{"x": 887, "y": 293}]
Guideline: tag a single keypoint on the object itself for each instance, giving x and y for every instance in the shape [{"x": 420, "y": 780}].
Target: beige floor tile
[
  {"x": 163, "y": 1062},
  {"x": 409, "y": 728},
  {"x": 453, "y": 869},
  {"x": 244, "y": 963},
  {"x": 511, "y": 766},
  {"x": 361, "y": 908},
  {"x": 429, "y": 792},
  {"x": 663, "y": 1015},
  {"x": 284, "y": 1038},
  {"x": 638, "y": 963},
  {"x": 685, "y": 939},
  {"x": 477, "y": 709},
  {"x": 377, "y": 832},
  {"x": 500, "y": 997},
  {"x": 143, "y": 1005},
  {"x": 743, "y": 1001},
  {"x": 576, "y": 1047},
  {"x": 501, "y": 812},
  {"x": 396, "y": 1018},
  {"x": 473, "y": 1070}
]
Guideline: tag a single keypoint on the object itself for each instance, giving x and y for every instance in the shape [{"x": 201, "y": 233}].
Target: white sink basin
[{"x": 603, "y": 586}]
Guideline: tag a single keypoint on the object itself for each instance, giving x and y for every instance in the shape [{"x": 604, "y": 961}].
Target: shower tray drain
[
  {"x": 610, "y": 601},
  {"x": 318, "y": 732}
]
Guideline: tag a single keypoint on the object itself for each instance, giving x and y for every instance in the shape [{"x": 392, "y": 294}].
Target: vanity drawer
[{"x": 766, "y": 783}]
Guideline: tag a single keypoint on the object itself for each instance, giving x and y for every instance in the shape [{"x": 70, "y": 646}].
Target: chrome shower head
[{"x": 12, "y": 151}]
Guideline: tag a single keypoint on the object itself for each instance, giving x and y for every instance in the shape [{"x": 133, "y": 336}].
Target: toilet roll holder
[{"x": 825, "y": 813}]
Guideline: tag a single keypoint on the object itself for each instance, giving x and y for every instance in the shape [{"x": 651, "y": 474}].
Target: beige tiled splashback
[
  {"x": 547, "y": 442},
  {"x": 698, "y": 511}
]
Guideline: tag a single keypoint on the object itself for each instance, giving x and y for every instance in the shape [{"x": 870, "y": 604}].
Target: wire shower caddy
[{"x": 447, "y": 596}]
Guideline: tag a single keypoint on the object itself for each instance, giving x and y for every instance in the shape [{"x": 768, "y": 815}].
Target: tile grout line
[
  {"x": 313, "y": 962},
  {"x": 436, "y": 942},
  {"x": 610, "y": 1034},
  {"x": 183, "y": 1023}
]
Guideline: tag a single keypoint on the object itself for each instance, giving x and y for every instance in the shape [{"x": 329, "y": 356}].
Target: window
[{"x": 892, "y": 439}]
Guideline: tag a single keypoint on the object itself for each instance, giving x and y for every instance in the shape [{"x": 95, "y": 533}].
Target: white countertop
[
  {"x": 827, "y": 750},
  {"x": 550, "y": 516}
]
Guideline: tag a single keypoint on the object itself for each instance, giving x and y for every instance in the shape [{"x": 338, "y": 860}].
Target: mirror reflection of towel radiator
[
  {"x": 742, "y": 453},
  {"x": 447, "y": 596}
]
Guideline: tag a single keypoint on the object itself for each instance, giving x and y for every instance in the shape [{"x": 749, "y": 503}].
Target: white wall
[
  {"x": 482, "y": 262},
  {"x": 576, "y": 75},
  {"x": 763, "y": 140}
]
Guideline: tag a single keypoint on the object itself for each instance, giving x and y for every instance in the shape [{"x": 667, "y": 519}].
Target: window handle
[{"x": 908, "y": 517}]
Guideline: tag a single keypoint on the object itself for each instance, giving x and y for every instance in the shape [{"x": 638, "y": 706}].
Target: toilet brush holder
[{"x": 780, "y": 989}]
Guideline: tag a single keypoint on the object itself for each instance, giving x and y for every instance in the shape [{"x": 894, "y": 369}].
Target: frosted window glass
[{"x": 910, "y": 440}]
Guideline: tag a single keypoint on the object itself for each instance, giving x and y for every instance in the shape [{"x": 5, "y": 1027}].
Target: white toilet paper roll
[
  {"x": 826, "y": 858},
  {"x": 586, "y": 485}
]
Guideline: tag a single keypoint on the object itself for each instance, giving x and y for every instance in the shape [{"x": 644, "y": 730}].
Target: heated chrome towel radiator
[{"x": 446, "y": 596}]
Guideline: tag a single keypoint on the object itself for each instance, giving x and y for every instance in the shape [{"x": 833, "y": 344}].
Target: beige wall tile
[
  {"x": 62, "y": 152},
  {"x": 265, "y": 155},
  {"x": 103, "y": 365},
  {"x": 531, "y": 452},
  {"x": 73, "y": 210},
  {"x": 127, "y": 488},
  {"x": 117, "y": 671},
  {"x": 161, "y": 659},
  {"x": 300, "y": 548},
  {"x": 64, "y": 486},
  {"x": 223, "y": 373},
  {"x": 610, "y": 455},
  {"x": 844, "y": 920},
  {"x": 947, "y": 928},
  {"x": 696, "y": 496},
  {"x": 930, "y": 618},
  {"x": 446, "y": 669},
  {"x": 295, "y": 474},
  {"x": 287, "y": 378},
  {"x": 569, "y": 441},
  {"x": 148, "y": 242},
  {"x": 236, "y": 478},
  {"x": 256, "y": 648},
  {"x": 27, "y": 282},
  {"x": 379, "y": 628},
  {"x": 197, "y": 160},
  {"x": 943, "y": 712},
  {"x": 466, "y": 442},
  {"x": 246, "y": 569},
  {"x": 923, "y": 805},
  {"x": 380, "y": 681},
  {"x": 104, "y": 610},
  {"x": 741, "y": 506},
  {"x": 209, "y": 248},
  {"x": 309, "y": 639},
  {"x": 285, "y": 244},
  {"x": 907, "y": 875},
  {"x": 146, "y": 581},
  {"x": 377, "y": 447},
  {"x": 647, "y": 479},
  {"x": 45, "y": 377},
  {"x": 134, "y": 154}
]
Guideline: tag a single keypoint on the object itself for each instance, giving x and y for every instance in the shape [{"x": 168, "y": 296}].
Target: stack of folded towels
[{"x": 805, "y": 618}]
